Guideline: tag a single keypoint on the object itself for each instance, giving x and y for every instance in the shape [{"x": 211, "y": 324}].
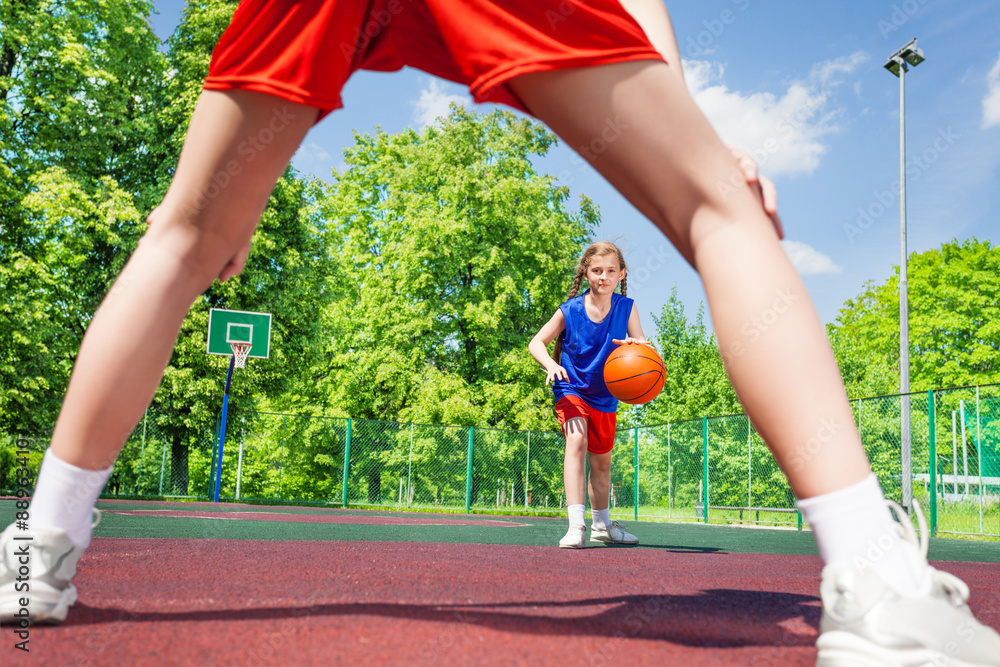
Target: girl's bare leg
[
  {"x": 599, "y": 482},
  {"x": 237, "y": 146},
  {"x": 575, "y": 431},
  {"x": 637, "y": 124}
]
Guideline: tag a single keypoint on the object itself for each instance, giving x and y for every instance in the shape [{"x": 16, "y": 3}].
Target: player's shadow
[{"x": 710, "y": 618}]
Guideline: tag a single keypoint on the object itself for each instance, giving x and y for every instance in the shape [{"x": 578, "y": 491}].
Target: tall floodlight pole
[{"x": 899, "y": 64}]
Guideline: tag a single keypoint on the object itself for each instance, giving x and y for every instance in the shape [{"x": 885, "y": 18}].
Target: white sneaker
[
  {"x": 866, "y": 623},
  {"x": 574, "y": 537},
  {"x": 613, "y": 534},
  {"x": 49, "y": 558}
]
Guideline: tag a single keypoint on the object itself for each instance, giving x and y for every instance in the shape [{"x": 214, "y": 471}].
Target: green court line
[{"x": 680, "y": 537}]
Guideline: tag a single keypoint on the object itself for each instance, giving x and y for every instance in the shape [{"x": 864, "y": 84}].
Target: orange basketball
[{"x": 634, "y": 373}]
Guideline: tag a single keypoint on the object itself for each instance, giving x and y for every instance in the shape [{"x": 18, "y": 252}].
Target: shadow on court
[{"x": 211, "y": 591}]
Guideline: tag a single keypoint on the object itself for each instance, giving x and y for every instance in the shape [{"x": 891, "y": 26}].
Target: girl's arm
[
  {"x": 546, "y": 335},
  {"x": 633, "y": 329}
]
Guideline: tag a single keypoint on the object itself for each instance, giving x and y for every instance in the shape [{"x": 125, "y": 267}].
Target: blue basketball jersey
[{"x": 585, "y": 347}]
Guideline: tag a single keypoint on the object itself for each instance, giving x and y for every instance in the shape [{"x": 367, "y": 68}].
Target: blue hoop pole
[{"x": 222, "y": 428}]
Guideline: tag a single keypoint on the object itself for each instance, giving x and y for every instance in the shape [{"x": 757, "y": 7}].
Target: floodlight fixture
[{"x": 908, "y": 55}]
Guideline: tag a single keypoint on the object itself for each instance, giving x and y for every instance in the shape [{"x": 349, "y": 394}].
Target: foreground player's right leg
[
  {"x": 659, "y": 151},
  {"x": 36, "y": 572},
  {"x": 868, "y": 621}
]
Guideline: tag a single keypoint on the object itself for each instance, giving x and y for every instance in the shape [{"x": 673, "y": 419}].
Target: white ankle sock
[
  {"x": 577, "y": 515},
  {"x": 853, "y": 526},
  {"x": 64, "y": 497},
  {"x": 600, "y": 518}
]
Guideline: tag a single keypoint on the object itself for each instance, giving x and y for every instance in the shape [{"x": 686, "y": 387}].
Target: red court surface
[{"x": 170, "y": 601}]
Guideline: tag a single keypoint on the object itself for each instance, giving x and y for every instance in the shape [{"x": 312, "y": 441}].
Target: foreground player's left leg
[{"x": 199, "y": 233}]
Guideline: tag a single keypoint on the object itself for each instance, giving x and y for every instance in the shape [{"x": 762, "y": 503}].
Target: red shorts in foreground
[
  {"x": 600, "y": 425},
  {"x": 305, "y": 50}
]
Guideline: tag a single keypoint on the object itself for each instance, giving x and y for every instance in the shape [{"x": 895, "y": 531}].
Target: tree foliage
[
  {"x": 451, "y": 251},
  {"x": 92, "y": 117},
  {"x": 954, "y": 304},
  {"x": 78, "y": 84}
]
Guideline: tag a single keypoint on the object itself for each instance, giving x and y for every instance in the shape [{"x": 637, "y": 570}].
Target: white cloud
[
  {"x": 783, "y": 133},
  {"x": 807, "y": 260},
  {"x": 433, "y": 103},
  {"x": 991, "y": 103}
]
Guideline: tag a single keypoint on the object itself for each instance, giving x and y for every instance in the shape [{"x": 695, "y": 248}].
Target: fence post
[
  {"x": 965, "y": 450},
  {"x": 239, "y": 464},
  {"x": 281, "y": 456},
  {"x": 409, "y": 471},
  {"x": 142, "y": 451},
  {"x": 468, "y": 473},
  {"x": 670, "y": 479},
  {"x": 704, "y": 472},
  {"x": 635, "y": 495},
  {"x": 932, "y": 455},
  {"x": 163, "y": 465},
  {"x": 347, "y": 462},
  {"x": 979, "y": 455},
  {"x": 527, "y": 470},
  {"x": 749, "y": 468}
]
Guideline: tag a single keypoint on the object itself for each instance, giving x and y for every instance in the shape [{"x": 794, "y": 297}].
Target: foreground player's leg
[
  {"x": 639, "y": 127},
  {"x": 222, "y": 184},
  {"x": 575, "y": 431},
  {"x": 602, "y": 528}
]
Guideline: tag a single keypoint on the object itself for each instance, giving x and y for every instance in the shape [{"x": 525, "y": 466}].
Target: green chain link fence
[{"x": 712, "y": 469}]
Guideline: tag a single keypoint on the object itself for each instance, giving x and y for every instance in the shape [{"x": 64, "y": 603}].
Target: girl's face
[{"x": 604, "y": 273}]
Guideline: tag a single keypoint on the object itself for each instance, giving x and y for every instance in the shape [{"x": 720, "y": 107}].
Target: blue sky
[{"x": 800, "y": 85}]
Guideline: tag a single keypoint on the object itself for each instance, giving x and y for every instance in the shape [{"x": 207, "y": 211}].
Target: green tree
[
  {"x": 92, "y": 117},
  {"x": 451, "y": 252},
  {"x": 954, "y": 302},
  {"x": 863, "y": 374},
  {"x": 78, "y": 81}
]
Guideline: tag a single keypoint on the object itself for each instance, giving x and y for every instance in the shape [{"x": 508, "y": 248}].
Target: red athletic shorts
[
  {"x": 600, "y": 425},
  {"x": 305, "y": 50}
]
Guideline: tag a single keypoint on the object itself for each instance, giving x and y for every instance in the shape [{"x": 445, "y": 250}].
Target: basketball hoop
[{"x": 240, "y": 352}]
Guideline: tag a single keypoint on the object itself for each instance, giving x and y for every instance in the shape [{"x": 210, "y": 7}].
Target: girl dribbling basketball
[{"x": 586, "y": 329}]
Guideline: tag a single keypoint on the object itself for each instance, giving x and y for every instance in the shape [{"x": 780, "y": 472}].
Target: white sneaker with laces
[
  {"x": 613, "y": 534},
  {"x": 37, "y": 566},
  {"x": 866, "y": 623},
  {"x": 574, "y": 537}
]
